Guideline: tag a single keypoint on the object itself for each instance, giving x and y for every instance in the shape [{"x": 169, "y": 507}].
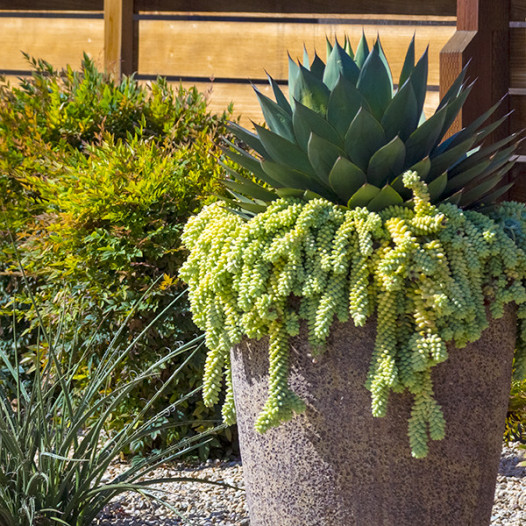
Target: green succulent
[{"x": 348, "y": 135}]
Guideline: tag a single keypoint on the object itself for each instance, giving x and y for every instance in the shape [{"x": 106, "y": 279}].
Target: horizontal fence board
[
  {"x": 246, "y": 49},
  {"x": 60, "y": 41},
  {"x": 245, "y": 101},
  {"x": 402, "y": 7}
]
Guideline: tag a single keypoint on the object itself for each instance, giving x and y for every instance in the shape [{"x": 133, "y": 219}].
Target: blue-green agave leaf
[
  {"x": 363, "y": 138},
  {"x": 362, "y": 51},
  {"x": 375, "y": 83},
  {"x": 455, "y": 88},
  {"x": 247, "y": 161},
  {"x": 466, "y": 177},
  {"x": 283, "y": 151},
  {"x": 419, "y": 81},
  {"x": 386, "y": 163},
  {"x": 317, "y": 67},
  {"x": 437, "y": 187},
  {"x": 409, "y": 63},
  {"x": 344, "y": 102},
  {"x": 421, "y": 141},
  {"x": 453, "y": 108},
  {"x": 306, "y": 121},
  {"x": 469, "y": 197},
  {"x": 363, "y": 196},
  {"x": 381, "y": 54},
  {"x": 249, "y": 138},
  {"x": 311, "y": 91},
  {"x": 493, "y": 196},
  {"x": 340, "y": 64},
  {"x": 347, "y": 47},
  {"x": 294, "y": 71},
  {"x": 422, "y": 168},
  {"x": 328, "y": 47},
  {"x": 442, "y": 162},
  {"x": 401, "y": 116},
  {"x": 251, "y": 189},
  {"x": 387, "y": 196},
  {"x": 322, "y": 156},
  {"x": 346, "y": 178},
  {"x": 278, "y": 120},
  {"x": 279, "y": 95},
  {"x": 289, "y": 178}
]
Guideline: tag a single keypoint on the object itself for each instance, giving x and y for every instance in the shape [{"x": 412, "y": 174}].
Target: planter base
[{"x": 337, "y": 465}]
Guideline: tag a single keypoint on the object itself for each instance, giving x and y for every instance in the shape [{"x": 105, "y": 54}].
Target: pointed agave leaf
[
  {"x": 306, "y": 58},
  {"x": 322, "y": 156},
  {"x": 344, "y": 102},
  {"x": 248, "y": 162},
  {"x": 363, "y": 196},
  {"x": 290, "y": 178},
  {"x": 249, "y": 188},
  {"x": 283, "y": 151},
  {"x": 500, "y": 159},
  {"x": 249, "y": 138},
  {"x": 347, "y": 47},
  {"x": 278, "y": 94},
  {"x": 317, "y": 67},
  {"x": 470, "y": 197},
  {"x": 421, "y": 141},
  {"x": 469, "y": 131},
  {"x": 487, "y": 130},
  {"x": 340, "y": 64},
  {"x": 294, "y": 71},
  {"x": 409, "y": 63},
  {"x": 306, "y": 121},
  {"x": 492, "y": 197},
  {"x": 466, "y": 177},
  {"x": 445, "y": 160},
  {"x": 375, "y": 83},
  {"x": 386, "y": 163},
  {"x": 401, "y": 116},
  {"x": 484, "y": 153},
  {"x": 346, "y": 178},
  {"x": 328, "y": 47},
  {"x": 381, "y": 54},
  {"x": 247, "y": 204},
  {"x": 278, "y": 120},
  {"x": 455, "y": 88},
  {"x": 422, "y": 168},
  {"x": 453, "y": 108},
  {"x": 419, "y": 81},
  {"x": 437, "y": 187},
  {"x": 290, "y": 192},
  {"x": 311, "y": 91},
  {"x": 387, "y": 196},
  {"x": 362, "y": 51},
  {"x": 364, "y": 137},
  {"x": 454, "y": 198}
]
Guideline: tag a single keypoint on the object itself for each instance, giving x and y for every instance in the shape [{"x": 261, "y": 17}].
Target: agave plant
[{"x": 348, "y": 135}]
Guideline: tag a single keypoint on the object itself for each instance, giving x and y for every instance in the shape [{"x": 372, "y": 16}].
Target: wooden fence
[{"x": 194, "y": 41}]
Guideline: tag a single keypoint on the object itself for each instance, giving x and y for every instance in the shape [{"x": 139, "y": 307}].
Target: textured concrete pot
[{"x": 336, "y": 465}]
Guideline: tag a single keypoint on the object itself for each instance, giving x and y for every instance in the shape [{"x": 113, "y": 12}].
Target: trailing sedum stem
[{"x": 426, "y": 272}]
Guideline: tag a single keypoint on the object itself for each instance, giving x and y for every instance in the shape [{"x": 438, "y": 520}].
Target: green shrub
[{"x": 98, "y": 179}]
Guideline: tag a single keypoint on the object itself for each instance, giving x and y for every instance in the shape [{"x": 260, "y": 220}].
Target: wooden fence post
[
  {"x": 120, "y": 37},
  {"x": 482, "y": 37}
]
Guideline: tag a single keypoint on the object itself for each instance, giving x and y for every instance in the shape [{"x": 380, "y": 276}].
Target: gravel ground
[{"x": 206, "y": 505}]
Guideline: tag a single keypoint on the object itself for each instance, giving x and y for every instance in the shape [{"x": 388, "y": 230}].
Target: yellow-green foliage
[{"x": 425, "y": 271}]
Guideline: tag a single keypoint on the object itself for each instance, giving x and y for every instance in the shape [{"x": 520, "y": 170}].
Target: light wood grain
[
  {"x": 246, "y": 49},
  {"x": 57, "y": 40}
]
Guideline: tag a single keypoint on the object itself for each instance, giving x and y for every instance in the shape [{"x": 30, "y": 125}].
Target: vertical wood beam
[
  {"x": 120, "y": 37},
  {"x": 482, "y": 39}
]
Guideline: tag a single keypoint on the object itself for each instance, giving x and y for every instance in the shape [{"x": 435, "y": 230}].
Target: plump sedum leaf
[{"x": 348, "y": 134}]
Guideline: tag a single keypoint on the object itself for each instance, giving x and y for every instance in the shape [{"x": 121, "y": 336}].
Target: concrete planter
[{"x": 336, "y": 465}]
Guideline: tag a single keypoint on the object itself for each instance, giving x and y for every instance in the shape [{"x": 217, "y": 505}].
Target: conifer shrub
[{"x": 97, "y": 179}]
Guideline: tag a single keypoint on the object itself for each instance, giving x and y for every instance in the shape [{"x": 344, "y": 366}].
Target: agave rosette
[{"x": 347, "y": 134}]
